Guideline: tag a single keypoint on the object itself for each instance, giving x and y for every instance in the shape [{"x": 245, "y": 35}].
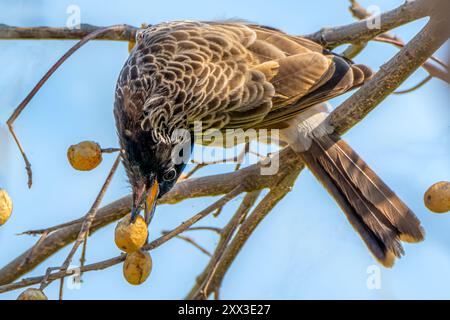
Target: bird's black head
[{"x": 153, "y": 167}]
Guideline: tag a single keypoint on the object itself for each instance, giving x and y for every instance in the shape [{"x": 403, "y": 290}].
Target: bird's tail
[{"x": 377, "y": 214}]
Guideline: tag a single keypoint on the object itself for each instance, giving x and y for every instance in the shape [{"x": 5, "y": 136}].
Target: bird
[{"x": 241, "y": 75}]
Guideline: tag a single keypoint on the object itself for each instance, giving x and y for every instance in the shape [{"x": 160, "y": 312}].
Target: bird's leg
[{"x": 39, "y": 85}]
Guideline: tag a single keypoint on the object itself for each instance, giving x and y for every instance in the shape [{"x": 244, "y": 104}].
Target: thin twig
[
  {"x": 110, "y": 150},
  {"x": 360, "y": 32},
  {"x": 35, "y": 247},
  {"x": 61, "y": 288},
  {"x": 197, "y": 167},
  {"x": 89, "y": 218},
  {"x": 241, "y": 156},
  {"x": 125, "y": 33},
  {"x": 192, "y": 242},
  {"x": 45, "y": 279},
  {"x": 39, "y": 85},
  {"x": 91, "y": 214},
  {"x": 432, "y": 69},
  {"x": 396, "y": 41},
  {"x": 217, "y": 294},
  {"x": 60, "y": 274},
  {"x": 200, "y": 165},
  {"x": 83, "y": 250},
  {"x": 245, "y": 205},
  {"x": 353, "y": 50},
  {"x": 360, "y": 13},
  {"x": 243, "y": 209},
  {"x": 417, "y": 86},
  {"x": 51, "y": 229},
  {"x": 214, "y": 229},
  {"x": 391, "y": 75},
  {"x": 185, "y": 225}
]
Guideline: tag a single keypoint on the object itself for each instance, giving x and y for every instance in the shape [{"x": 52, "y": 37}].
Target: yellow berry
[
  {"x": 85, "y": 155},
  {"x": 6, "y": 206},
  {"x": 437, "y": 197},
  {"x": 32, "y": 294},
  {"x": 130, "y": 237},
  {"x": 137, "y": 267}
]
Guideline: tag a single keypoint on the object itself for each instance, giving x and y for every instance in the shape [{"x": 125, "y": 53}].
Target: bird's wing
[
  {"x": 230, "y": 75},
  {"x": 307, "y": 73},
  {"x": 286, "y": 68},
  {"x": 301, "y": 72},
  {"x": 198, "y": 71}
]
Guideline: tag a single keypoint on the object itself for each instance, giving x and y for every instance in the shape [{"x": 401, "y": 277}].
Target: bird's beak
[
  {"x": 146, "y": 197},
  {"x": 150, "y": 201},
  {"x": 134, "y": 214}
]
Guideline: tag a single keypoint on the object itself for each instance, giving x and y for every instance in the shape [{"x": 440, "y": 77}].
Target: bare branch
[
  {"x": 214, "y": 229},
  {"x": 87, "y": 223},
  {"x": 391, "y": 75},
  {"x": 124, "y": 33},
  {"x": 434, "y": 71},
  {"x": 226, "y": 236},
  {"x": 246, "y": 229},
  {"x": 185, "y": 225},
  {"x": 90, "y": 216},
  {"x": 98, "y": 32},
  {"x": 360, "y": 13},
  {"x": 192, "y": 242},
  {"x": 417, "y": 86},
  {"x": 359, "y": 32}
]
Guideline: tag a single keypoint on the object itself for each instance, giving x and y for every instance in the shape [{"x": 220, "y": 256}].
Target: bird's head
[{"x": 151, "y": 167}]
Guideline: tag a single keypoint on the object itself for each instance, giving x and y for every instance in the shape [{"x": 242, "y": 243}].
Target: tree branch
[
  {"x": 359, "y": 32},
  {"x": 126, "y": 33},
  {"x": 360, "y": 13},
  {"x": 228, "y": 232},
  {"x": 391, "y": 75},
  {"x": 247, "y": 227}
]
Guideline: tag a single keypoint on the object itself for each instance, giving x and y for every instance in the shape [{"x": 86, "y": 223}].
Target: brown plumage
[
  {"x": 238, "y": 75},
  {"x": 379, "y": 216}
]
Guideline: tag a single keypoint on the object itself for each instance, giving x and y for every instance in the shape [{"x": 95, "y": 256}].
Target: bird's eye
[{"x": 170, "y": 174}]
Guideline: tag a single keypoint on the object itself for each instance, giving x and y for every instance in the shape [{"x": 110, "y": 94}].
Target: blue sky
[{"x": 305, "y": 249}]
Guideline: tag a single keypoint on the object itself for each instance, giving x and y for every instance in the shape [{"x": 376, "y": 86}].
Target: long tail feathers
[{"x": 377, "y": 214}]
